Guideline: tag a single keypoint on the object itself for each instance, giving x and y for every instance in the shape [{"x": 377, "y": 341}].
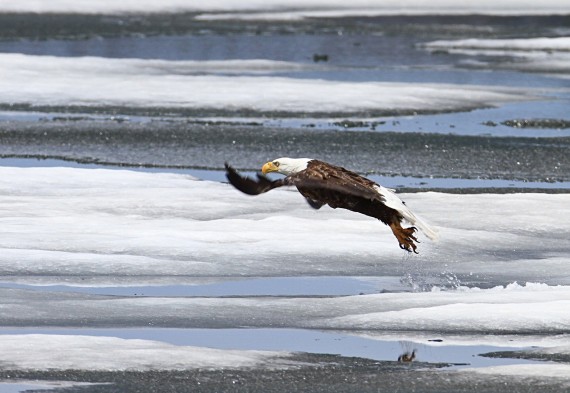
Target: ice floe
[
  {"x": 62, "y": 352},
  {"x": 89, "y": 81},
  {"x": 543, "y": 54},
  {"x": 530, "y": 310},
  {"x": 475, "y": 312},
  {"x": 112, "y": 227},
  {"x": 94, "y": 227},
  {"x": 134, "y": 223},
  {"x": 554, "y": 371},
  {"x": 97, "y": 227},
  {"x": 563, "y": 349},
  {"x": 518, "y": 44},
  {"x": 291, "y": 9}
]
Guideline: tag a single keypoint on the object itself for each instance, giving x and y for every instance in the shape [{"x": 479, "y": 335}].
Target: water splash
[{"x": 416, "y": 276}]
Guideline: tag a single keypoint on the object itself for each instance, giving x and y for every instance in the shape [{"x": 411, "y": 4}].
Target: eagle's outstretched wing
[{"x": 251, "y": 186}]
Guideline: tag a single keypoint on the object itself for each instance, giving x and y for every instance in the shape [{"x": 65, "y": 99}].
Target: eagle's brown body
[
  {"x": 361, "y": 199},
  {"x": 325, "y": 184}
]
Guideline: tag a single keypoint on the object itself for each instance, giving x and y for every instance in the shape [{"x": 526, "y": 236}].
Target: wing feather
[
  {"x": 251, "y": 186},
  {"x": 314, "y": 203}
]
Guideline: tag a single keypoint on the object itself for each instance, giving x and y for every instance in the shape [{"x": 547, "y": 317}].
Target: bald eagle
[{"x": 324, "y": 184}]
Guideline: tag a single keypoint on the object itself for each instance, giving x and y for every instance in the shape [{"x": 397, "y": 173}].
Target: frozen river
[{"x": 128, "y": 263}]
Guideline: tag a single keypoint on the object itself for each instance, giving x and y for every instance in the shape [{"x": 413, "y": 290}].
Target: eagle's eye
[{"x": 276, "y": 163}]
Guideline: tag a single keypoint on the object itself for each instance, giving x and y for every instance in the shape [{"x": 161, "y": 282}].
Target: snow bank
[
  {"x": 54, "y": 352},
  {"x": 89, "y": 81}
]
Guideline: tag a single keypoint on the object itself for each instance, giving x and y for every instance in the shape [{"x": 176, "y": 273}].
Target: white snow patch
[
  {"x": 521, "y": 310},
  {"x": 92, "y": 81},
  {"x": 525, "y": 44},
  {"x": 97, "y": 226},
  {"x": 62, "y": 352},
  {"x": 530, "y": 309},
  {"x": 562, "y": 349},
  {"x": 118, "y": 227},
  {"x": 438, "y": 339},
  {"x": 291, "y": 8},
  {"x": 550, "y": 370},
  {"x": 23, "y": 385},
  {"x": 545, "y": 54}
]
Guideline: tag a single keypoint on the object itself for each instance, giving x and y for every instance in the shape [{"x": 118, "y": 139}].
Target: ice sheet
[
  {"x": 512, "y": 309},
  {"x": 95, "y": 226},
  {"x": 553, "y": 371},
  {"x": 544, "y": 54},
  {"x": 23, "y": 385},
  {"x": 526, "y": 44},
  {"x": 439, "y": 340},
  {"x": 101, "y": 227},
  {"x": 45, "y": 352},
  {"x": 90, "y": 81},
  {"x": 531, "y": 309},
  {"x": 294, "y": 8},
  {"x": 563, "y": 349}
]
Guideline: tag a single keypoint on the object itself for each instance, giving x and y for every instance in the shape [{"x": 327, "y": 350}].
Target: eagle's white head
[{"x": 285, "y": 165}]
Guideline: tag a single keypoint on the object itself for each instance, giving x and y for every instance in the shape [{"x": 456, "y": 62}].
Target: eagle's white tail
[
  {"x": 422, "y": 225},
  {"x": 391, "y": 200}
]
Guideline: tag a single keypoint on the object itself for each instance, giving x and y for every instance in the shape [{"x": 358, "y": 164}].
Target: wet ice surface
[
  {"x": 63, "y": 82},
  {"x": 119, "y": 224},
  {"x": 96, "y": 228},
  {"x": 331, "y": 7},
  {"x": 24, "y": 385},
  {"x": 392, "y": 155},
  {"x": 113, "y": 244},
  {"x": 84, "y": 352},
  {"x": 547, "y": 54},
  {"x": 172, "y": 244}
]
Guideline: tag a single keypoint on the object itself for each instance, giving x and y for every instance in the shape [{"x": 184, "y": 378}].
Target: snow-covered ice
[
  {"x": 545, "y": 370},
  {"x": 106, "y": 225},
  {"x": 554, "y": 371},
  {"x": 117, "y": 227},
  {"x": 545, "y": 54},
  {"x": 497, "y": 276},
  {"x": 526, "y": 44},
  {"x": 89, "y": 81},
  {"x": 293, "y": 8},
  {"x": 44, "y": 352},
  {"x": 563, "y": 349},
  {"x": 530, "y": 309},
  {"x": 523, "y": 310},
  {"x": 96, "y": 227}
]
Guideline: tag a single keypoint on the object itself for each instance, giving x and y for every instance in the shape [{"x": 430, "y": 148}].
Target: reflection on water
[
  {"x": 409, "y": 352},
  {"x": 407, "y": 357}
]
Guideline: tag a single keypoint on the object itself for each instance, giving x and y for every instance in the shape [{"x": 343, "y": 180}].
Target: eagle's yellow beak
[{"x": 268, "y": 167}]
